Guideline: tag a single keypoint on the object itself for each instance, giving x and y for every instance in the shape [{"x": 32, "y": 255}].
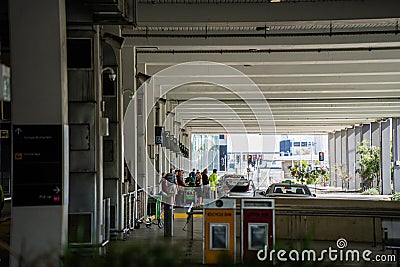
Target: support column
[
  {"x": 40, "y": 134},
  {"x": 385, "y": 158},
  {"x": 376, "y": 141},
  {"x": 332, "y": 158},
  {"x": 130, "y": 146},
  {"x": 344, "y": 169},
  {"x": 366, "y": 132},
  {"x": 176, "y": 126},
  {"x": 396, "y": 154},
  {"x": 338, "y": 158},
  {"x": 170, "y": 125},
  {"x": 351, "y": 158},
  {"x": 141, "y": 171},
  {"x": 85, "y": 115},
  {"x": 375, "y": 134},
  {"x": 184, "y": 142},
  {"x": 358, "y": 139},
  {"x": 163, "y": 150},
  {"x": 151, "y": 173},
  {"x": 112, "y": 143}
]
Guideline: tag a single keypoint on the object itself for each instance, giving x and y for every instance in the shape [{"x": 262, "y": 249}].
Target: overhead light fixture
[
  {"x": 274, "y": 1},
  {"x": 111, "y": 73}
]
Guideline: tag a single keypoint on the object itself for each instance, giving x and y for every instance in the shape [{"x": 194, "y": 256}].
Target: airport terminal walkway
[{"x": 191, "y": 251}]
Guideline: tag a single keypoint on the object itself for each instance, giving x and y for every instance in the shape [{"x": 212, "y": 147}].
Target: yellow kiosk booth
[{"x": 219, "y": 228}]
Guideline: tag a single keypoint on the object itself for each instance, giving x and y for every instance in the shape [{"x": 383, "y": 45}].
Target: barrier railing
[{"x": 141, "y": 204}]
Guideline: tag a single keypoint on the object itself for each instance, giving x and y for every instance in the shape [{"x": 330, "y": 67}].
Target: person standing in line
[
  {"x": 193, "y": 174},
  {"x": 213, "y": 183},
  {"x": 172, "y": 185},
  {"x": 190, "y": 180},
  {"x": 164, "y": 190},
  {"x": 206, "y": 184},
  {"x": 181, "y": 188},
  {"x": 199, "y": 190}
]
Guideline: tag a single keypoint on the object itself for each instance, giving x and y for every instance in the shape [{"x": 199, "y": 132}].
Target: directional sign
[
  {"x": 222, "y": 155},
  {"x": 18, "y": 131},
  {"x": 159, "y": 140},
  {"x": 38, "y": 164},
  {"x": 4, "y": 134}
]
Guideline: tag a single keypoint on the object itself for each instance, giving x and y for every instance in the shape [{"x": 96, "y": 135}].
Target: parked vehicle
[
  {"x": 287, "y": 190},
  {"x": 238, "y": 186}
]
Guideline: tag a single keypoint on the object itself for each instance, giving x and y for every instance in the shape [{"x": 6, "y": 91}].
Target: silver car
[{"x": 288, "y": 190}]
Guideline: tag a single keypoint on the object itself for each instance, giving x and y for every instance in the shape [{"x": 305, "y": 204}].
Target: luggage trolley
[{"x": 155, "y": 212}]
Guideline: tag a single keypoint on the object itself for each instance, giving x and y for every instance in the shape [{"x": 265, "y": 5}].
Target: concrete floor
[
  {"x": 192, "y": 250},
  {"x": 189, "y": 252}
]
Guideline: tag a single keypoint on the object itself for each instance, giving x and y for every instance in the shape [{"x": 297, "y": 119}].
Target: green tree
[
  {"x": 300, "y": 171},
  {"x": 369, "y": 163}
]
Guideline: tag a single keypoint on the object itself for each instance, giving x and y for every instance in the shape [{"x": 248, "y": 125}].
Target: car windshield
[{"x": 289, "y": 189}]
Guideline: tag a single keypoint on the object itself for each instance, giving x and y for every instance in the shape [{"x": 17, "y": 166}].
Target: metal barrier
[
  {"x": 127, "y": 215},
  {"x": 131, "y": 210},
  {"x": 134, "y": 208},
  {"x": 141, "y": 204}
]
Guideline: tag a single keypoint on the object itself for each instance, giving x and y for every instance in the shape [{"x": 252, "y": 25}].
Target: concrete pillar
[
  {"x": 170, "y": 123},
  {"x": 338, "y": 158},
  {"x": 344, "y": 169},
  {"x": 40, "y": 134},
  {"x": 167, "y": 129},
  {"x": 163, "y": 157},
  {"x": 358, "y": 138},
  {"x": 366, "y": 132},
  {"x": 129, "y": 85},
  {"x": 112, "y": 144},
  {"x": 376, "y": 141},
  {"x": 351, "y": 158},
  {"x": 375, "y": 134},
  {"x": 385, "y": 158},
  {"x": 87, "y": 128},
  {"x": 332, "y": 158},
  {"x": 177, "y": 133},
  {"x": 151, "y": 94},
  {"x": 186, "y": 143},
  {"x": 141, "y": 108},
  {"x": 396, "y": 154}
]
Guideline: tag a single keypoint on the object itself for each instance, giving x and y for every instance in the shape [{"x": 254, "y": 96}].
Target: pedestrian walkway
[{"x": 190, "y": 251}]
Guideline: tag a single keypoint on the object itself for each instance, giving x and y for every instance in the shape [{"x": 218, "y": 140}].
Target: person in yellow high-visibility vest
[{"x": 213, "y": 183}]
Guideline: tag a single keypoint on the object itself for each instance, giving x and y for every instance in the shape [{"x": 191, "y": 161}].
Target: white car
[{"x": 238, "y": 187}]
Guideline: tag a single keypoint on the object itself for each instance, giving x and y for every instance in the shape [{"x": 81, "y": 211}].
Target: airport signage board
[{"x": 37, "y": 165}]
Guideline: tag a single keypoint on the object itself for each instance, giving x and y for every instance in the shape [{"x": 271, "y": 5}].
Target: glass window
[
  {"x": 219, "y": 238},
  {"x": 258, "y": 235}
]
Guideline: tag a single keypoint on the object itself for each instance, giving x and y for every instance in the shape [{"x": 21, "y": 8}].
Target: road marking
[{"x": 184, "y": 215}]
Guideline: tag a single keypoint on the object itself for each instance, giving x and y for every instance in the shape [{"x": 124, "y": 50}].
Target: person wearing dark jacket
[
  {"x": 181, "y": 189},
  {"x": 206, "y": 184},
  {"x": 172, "y": 185},
  {"x": 199, "y": 190}
]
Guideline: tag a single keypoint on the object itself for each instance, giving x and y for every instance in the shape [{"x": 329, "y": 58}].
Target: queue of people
[{"x": 173, "y": 184}]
